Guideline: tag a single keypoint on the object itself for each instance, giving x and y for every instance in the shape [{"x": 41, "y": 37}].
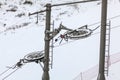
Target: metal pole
[
  {"x": 81, "y": 76},
  {"x": 47, "y": 43},
  {"x": 101, "y": 75}
]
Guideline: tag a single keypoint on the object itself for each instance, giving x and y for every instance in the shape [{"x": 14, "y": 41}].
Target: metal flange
[
  {"x": 34, "y": 56},
  {"x": 78, "y": 33}
]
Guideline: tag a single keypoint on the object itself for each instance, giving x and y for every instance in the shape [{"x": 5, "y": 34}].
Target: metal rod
[
  {"x": 36, "y": 12},
  {"x": 47, "y": 43},
  {"x": 52, "y": 46},
  {"x": 37, "y": 18},
  {"x": 61, "y": 5},
  {"x": 73, "y": 3},
  {"x": 101, "y": 75},
  {"x": 109, "y": 46}
]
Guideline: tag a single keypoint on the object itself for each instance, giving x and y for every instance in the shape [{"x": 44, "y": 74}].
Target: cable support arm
[
  {"x": 73, "y": 3},
  {"x": 36, "y": 12},
  {"x": 62, "y": 4}
]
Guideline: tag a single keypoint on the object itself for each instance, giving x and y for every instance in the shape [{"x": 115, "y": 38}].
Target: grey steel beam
[
  {"x": 62, "y": 4},
  {"x": 101, "y": 75},
  {"x": 47, "y": 43}
]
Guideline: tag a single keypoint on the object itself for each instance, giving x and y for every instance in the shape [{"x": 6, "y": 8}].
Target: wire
[
  {"x": 115, "y": 27},
  {"x": 110, "y": 28},
  {"x": 95, "y": 28},
  {"x": 114, "y": 17},
  {"x": 13, "y": 67},
  {"x": 107, "y": 19},
  {"x": 6, "y": 70},
  {"x": 10, "y": 74}
]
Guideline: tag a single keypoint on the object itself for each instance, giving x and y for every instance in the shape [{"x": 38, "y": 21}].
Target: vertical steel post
[
  {"x": 47, "y": 43},
  {"x": 101, "y": 75}
]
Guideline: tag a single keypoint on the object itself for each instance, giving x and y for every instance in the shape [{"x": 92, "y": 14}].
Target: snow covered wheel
[
  {"x": 34, "y": 56},
  {"x": 78, "y": 33}
]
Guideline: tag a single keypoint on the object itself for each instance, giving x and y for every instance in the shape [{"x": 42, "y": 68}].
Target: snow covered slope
[{"x": 20, "y": 35}]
